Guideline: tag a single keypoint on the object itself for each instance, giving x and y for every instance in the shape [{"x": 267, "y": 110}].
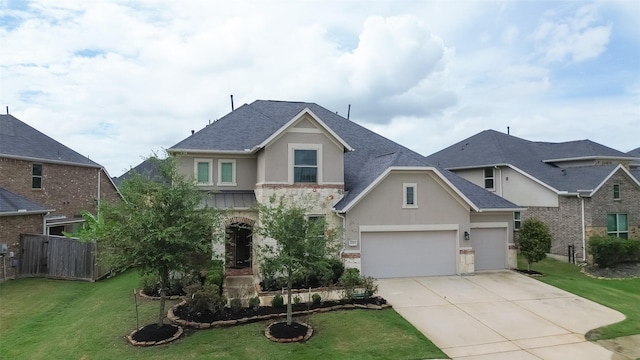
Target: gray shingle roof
[
  {"x": 14, "y": 203},
  {"x": 148, "y": 168},
  {"x": 251, "y": 124},
  {"x": 18, "y": 139},
  {"x": 491, "y": 147}
]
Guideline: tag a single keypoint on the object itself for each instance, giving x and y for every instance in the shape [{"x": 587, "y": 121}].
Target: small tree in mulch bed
[
  {"x": 534, "y": 241},
  {"x": 302, "y": 243},
  {"x": 158, "y": 227}
]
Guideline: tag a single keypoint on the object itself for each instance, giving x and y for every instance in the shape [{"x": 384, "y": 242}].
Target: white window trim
[
  {"x": 195, "y": 171},
  {"x": 292, "y": 148},
  {"x": 233, "y": 172},
  {"x": 404, "y": 196},
  {"x": 484, "y": 179},
  {"x": 619, "y": 192}
]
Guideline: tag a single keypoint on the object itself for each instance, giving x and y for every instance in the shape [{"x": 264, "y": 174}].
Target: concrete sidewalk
[{"x": 500, "y": 315}]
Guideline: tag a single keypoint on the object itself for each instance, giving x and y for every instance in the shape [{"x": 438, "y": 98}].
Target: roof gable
[{"x": 19, "y": 140}]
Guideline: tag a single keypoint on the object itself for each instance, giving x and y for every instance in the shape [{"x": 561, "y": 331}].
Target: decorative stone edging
[
  {"x": 153, "y": 343},
  {"x": 306, "y": 337},
  {"x": 226, "y": 323},
  {"x": 584, "y": 271},
  {"x": 143, "y": 295}
]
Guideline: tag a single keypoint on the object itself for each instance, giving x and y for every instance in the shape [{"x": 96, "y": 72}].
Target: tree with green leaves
[
  {"x": 301, "y": 243},
  {"x": 159, "y": 227},
  {"x": 534, "y": 241}
]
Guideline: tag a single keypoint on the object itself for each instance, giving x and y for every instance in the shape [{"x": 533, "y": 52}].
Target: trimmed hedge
[{"x": 608, "y": 251}]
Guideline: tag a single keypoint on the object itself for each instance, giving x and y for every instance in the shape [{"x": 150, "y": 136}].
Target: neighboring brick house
[
  {"x": 578, "y": 188},
  {"x": 401, "y": 216},
  {"x": 50, "y": 175}
]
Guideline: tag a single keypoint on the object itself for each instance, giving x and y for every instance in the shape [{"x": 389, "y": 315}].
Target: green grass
[
  {"x": 622, "y": 295},
  {"x": 45, "y": 319}
]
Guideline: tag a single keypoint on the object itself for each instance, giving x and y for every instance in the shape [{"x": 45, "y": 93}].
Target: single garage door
[
  {"x": 408, "y": 253},
  {"x": 490, "y": 248}
]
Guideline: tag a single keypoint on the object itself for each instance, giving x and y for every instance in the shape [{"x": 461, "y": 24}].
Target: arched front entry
[{"x": 239, "y": 245}]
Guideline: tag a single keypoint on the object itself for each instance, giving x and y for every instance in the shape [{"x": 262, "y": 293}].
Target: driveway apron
[{"x": 499, "y": 315}]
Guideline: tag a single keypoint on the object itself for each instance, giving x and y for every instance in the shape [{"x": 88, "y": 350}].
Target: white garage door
[
  {"x": 408, "y": 253},
  {"x": 490, "y": 247}
]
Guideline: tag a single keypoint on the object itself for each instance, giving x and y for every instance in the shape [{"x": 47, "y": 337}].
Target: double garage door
[{"x": 408, "y": 253}]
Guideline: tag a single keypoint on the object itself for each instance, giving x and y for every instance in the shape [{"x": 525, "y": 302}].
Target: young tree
[
  {"x": 158, "y": 227},
  {"x": 301, "y": 243},
  {"x": 534, "y": 241}
]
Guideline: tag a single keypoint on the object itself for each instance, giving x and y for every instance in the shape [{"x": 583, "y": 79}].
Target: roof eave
[
  {"x": 212, "y": 152},
  {"x": 50, "y": 161},
  {"x": 20, "y": 213},
  {"x": 593, "y": 157}
]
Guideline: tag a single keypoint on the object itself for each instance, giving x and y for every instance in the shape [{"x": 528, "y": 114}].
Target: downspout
[
  {"x": 344, "y": 227},
  {"x": 584, "y": 242}
]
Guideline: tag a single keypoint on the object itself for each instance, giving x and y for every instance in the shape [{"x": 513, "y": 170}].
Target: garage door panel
[
  {"x": 405, "y": 254},
  {"x": 490, "y": 248}
]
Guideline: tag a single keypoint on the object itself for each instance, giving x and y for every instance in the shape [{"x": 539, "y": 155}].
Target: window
[
  {"x": 305, "y": 166},
  {"x": 227, "y": 172},
  {"x": 409, "y": 195},
  {"x": 516, "y": 220},
  {"x": 203, "y": 171},
  {"x": 617, "y": 225},
  {"x": 488, "y": 178},
  {"x": 36, "y": 176},
  {"x": 616, "y": 191}
]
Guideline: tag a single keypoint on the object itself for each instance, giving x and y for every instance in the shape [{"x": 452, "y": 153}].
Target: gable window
[
  {"x": 305, "y": 166},
  {"x": 517, "y": 220},
  {"x": 617, "y": 225},
  {"x": 227, "y": 172},
  {"x": 489, "y": 178},
  {"x": 36, "y": 176},
  {"x": 616, "y": 191},
  {"x": 409, "y": 195},
  {"x": 203, "y": 171}
]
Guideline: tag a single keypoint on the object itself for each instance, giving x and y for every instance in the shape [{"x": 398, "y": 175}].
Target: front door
[{"x": 240, "y": 241}]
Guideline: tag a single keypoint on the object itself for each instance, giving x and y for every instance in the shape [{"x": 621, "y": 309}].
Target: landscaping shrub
[
  {"x": 201, "y": 298},
  {"x": 297, "y": 299},
  {"x": 350, "y": 281},
  {"x": 254, "y": 302},
  {"x": 278, "y": 301},
  {"x": 215, "y": 274},
  {"x": 534, "y": 241},
  {"x": 325, "y": 274},
  {"x": 316, "y": 299},
  {"x": 608, "y": 251},
  {"x": 150, "y": 284},
  {"x": 235, "y": 304},
  {"x": 370, "y": 286}
]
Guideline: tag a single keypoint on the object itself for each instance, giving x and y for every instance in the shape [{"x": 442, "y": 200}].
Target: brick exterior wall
[
  {"x": 602, "y": 203},
  {"x": 565, "y": 221},
  {"x": 68, "y": 189},
  {"x": 10, "y": 229}
]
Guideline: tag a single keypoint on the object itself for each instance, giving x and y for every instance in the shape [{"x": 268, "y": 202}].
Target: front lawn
[
  {"x": 44, "y": 319},
  {"x": 622, "y": 295}
]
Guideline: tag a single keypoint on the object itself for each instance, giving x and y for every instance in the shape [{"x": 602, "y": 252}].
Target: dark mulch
[
  {"x": 281, "y": 330},
  {"x": 154, "y": 333},
  {"x": 529, "y": 272},
  {"x": 182, "y": 311},
  {"x": 620, "y": 271}
]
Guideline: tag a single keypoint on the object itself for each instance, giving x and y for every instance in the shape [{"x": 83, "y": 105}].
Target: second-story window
[
  {"x": 616, "y": 191},
  {"x": 203, "y": 171},
  {"x": 36, "y": 176},
  {"x": 305, "y": 166},
  {"x": 409, "y": 195},
  {"x": 489, "y": 178},
  {"x": 227, "y": 172}
]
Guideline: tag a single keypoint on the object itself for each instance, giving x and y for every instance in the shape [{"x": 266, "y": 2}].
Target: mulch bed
[
  {"x": 179, "y": 314},
  {"x": 528, "y": 272},
  {"x": 153, "y": 335},
  {"x": 620, "y": 271},
  {"x": 283, "y": 333}
]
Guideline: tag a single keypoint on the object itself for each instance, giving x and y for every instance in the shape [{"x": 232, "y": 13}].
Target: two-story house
[
  {"x": 578, "y": 188},
  {"x": 44, "y": 185},
  {"x": 400, "y": 216}
]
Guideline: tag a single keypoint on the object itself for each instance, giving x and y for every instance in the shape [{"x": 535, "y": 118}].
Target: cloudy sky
[{"x": 116, "y": 80}]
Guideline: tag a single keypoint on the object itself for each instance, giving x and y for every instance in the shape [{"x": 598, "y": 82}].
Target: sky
[{"x": 120, "y": 80}]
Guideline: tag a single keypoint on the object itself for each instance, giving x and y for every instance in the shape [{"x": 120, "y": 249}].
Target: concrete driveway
[{"x": 499, "y": 315}]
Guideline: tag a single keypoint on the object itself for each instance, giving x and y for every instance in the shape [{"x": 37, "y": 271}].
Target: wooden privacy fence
[{"x": 58, "y": 257}]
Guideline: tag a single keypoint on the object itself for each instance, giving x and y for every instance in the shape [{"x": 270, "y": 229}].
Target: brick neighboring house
[
  {"x": 578, "y": 188},
  {"x": 49, "y": 176},
  {"x": 401, "y": 217}
]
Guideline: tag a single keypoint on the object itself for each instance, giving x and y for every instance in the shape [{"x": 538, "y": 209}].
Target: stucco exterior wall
[{"x": 246, "y": 170}]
